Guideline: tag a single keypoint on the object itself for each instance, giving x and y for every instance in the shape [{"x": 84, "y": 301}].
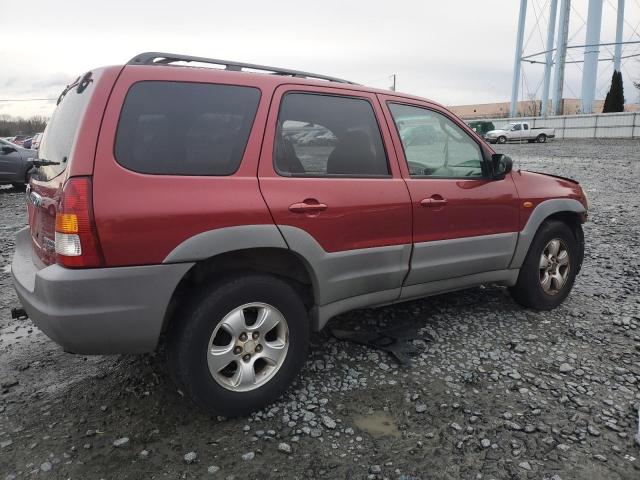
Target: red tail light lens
[{"x": 77, "y": 243}]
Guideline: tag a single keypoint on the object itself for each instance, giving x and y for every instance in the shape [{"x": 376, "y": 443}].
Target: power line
[{"x": 28, "y": 99}]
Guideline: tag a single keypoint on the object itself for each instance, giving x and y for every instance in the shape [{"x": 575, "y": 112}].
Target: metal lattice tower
[{"x": 555, "y": 52}]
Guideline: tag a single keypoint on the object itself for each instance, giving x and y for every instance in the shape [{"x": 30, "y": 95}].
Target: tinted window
[
  {"x": 517, "y": 128},
  {"x": 321, "y": 135},
  {"x": 185, "y": 128},
  {"x": 434, "y": 146}
]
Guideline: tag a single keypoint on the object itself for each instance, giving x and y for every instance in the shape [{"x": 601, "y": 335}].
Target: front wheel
[
  {"x": 502, "y": 139},
  {"x": 239, "y": 344},
  {"x": 550, "y": 267}
]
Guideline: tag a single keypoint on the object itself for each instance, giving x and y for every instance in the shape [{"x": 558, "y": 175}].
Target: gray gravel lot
[{"x": 496, "y": 392}]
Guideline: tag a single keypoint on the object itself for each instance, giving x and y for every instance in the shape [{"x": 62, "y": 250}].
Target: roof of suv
[{"x": 276, "y": 75}]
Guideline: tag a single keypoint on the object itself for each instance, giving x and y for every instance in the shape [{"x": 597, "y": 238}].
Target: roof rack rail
[{"x": 161, "y": 58}]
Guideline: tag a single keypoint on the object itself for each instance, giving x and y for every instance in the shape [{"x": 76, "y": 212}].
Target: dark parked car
[
  {"x": 481, "y": 127},
  {"x": 14, "y": 164}
]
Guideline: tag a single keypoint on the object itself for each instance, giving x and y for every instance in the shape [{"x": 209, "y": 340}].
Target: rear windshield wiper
[
  {"x": 41, "y": 162},
  {"x": 81, "y": 83}
]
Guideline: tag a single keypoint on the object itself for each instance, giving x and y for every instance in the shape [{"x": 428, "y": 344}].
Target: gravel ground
[{"x": 496, "y": 392}]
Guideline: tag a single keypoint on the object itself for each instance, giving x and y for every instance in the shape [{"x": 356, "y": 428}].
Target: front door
[
  {"x": 464, "y": 222},
  {"x": 331, "y": 180}
]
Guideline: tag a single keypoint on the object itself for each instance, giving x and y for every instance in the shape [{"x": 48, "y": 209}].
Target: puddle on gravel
[{"x": 378, "y": 424}]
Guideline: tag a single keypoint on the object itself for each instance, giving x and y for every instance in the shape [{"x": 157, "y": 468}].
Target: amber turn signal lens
[
  {"x": 66, "y": 223},
  {"x": 527, "y": 204}
]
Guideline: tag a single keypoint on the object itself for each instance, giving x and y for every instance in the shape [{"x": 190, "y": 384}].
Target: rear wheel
[
  {"x": 550, "y": 267},
  {"x": 240, "y": 343},
  {"x": 502, "y": 139},
  {"x": 542, "y": 138}
]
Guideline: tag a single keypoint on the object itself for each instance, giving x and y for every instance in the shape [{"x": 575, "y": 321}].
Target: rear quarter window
[{"x": 181, "y": 128}]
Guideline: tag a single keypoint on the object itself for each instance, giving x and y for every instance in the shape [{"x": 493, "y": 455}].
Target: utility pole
[
  {"x": 619, "y": 26},
  {"x": 393, "y": 85},
  {"x": 591, "y": 54},
  {"x": 518, "y": 58},
  {"x": 561, "y": 55},
  {"x": 549, "y": 57}
]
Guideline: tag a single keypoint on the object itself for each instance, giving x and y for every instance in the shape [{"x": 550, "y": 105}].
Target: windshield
[
  {"x": 59, "y": 135},
  {"x": 506, "y": 126}
]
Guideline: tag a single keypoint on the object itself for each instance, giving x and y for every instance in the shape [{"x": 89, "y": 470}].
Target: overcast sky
[{"x": 454, "y": 52}]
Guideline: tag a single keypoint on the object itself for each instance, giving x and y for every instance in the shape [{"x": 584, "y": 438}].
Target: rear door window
[
  {"x": 181, "y": 128},
  {"x": 328, "y": 135}
]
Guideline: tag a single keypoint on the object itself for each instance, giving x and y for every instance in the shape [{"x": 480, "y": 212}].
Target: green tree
[{"x": 614, "y": 101}]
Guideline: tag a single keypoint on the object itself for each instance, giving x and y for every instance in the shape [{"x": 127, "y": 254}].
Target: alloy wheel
[
  {"x": 248, "y": 347},
  {"x": 554, "y": 266}
]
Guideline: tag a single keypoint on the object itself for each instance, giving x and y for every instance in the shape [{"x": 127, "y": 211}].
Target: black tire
[
  {"x": 194, "y": 324},
  {"x": 502, "y": 139},
  {"x": 542, "y": 138},
  {"x": 528, "y": 290},
  {"x": 22, "y": 186}
]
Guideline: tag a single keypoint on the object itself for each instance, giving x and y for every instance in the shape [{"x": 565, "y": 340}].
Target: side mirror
[
  {"x": 6, "y": 149},
  {"x": 501, "y": 165}
]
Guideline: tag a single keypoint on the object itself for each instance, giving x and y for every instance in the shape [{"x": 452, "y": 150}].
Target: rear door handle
[
  {"x": 434, "y": 201},
  {"x": 310, "y": 205}
]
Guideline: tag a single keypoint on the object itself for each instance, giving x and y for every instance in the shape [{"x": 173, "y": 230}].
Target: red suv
[{"x": 236, "y": 211}]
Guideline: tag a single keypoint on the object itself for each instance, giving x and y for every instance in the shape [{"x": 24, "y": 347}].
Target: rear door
[
  {"x": 69, "y": 140},
  {"x": 45, "y": 189},
  {"x": 464, "y": 222},
  {"x": 330, "y": 177}
]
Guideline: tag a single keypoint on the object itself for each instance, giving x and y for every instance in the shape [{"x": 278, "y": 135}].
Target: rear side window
[
  {"x": 327, "y": 135},
  {"x": 180, "y": 128}
]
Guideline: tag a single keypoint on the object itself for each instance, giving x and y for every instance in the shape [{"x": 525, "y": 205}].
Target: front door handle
[
  {"x": 435, "y": 201},
  {"x": 310, "y": 205}
]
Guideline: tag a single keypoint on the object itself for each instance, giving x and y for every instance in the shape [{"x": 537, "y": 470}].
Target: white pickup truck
[{"x": 518, "y": 132}]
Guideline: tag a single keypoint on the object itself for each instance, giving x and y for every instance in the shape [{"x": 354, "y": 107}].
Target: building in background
[{"x": 529, "y": 108}]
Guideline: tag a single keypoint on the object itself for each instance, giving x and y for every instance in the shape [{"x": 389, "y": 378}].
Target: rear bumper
[{"x": 99, "y": 310}]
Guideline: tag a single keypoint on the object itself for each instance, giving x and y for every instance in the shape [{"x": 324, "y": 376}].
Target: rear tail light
[{"x": 77, "y": 244}]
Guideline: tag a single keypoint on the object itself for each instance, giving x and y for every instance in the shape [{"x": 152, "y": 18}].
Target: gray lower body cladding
[
  {"x": 442, "y": 259},
  {"x": 122, "y": 309},
  {"x": 369, "y": 277},
  {"x": 95, "y": 311}
]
